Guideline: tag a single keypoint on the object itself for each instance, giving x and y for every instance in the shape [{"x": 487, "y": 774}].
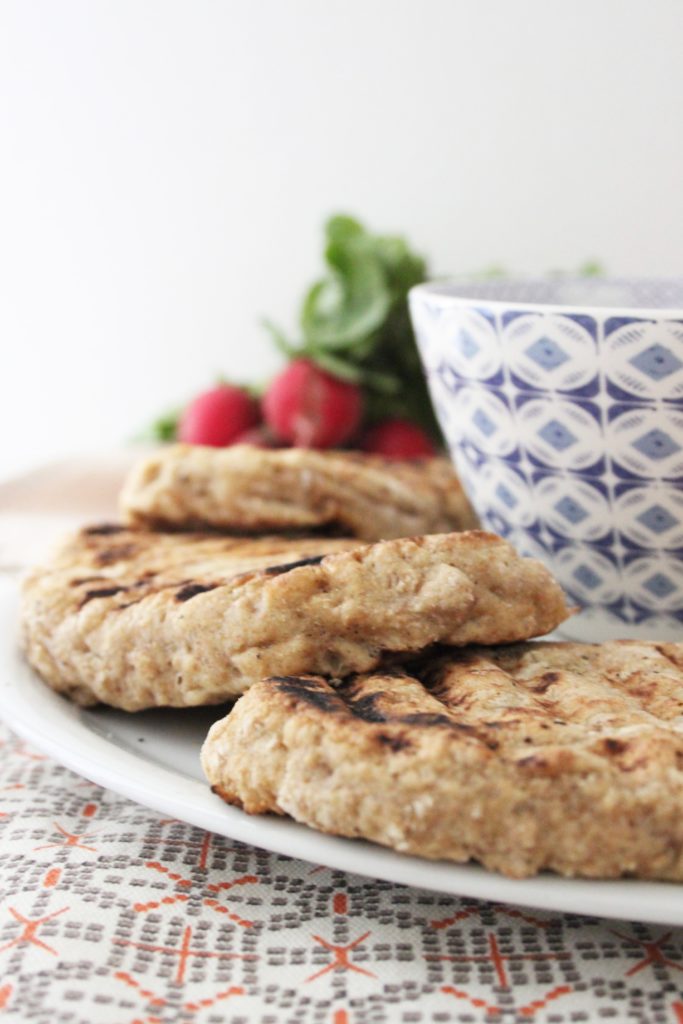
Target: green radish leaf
[
  {"x": 343, "y": 309},
  {"x": 591, "y": 268},
  {"x": 279, "y": 339},
  {"x": 355, "y": 322},
  {"x": 341, "y": 228},
  {"x": 336, "y": 365},
  {"x": 165, "y": 428}
]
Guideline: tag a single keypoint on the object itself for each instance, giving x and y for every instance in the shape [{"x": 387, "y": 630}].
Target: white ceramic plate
[{"x": 152, "y": 757}]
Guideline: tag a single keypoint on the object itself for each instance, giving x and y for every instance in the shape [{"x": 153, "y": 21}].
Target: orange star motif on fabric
[
  {"x": 184, "y": 952},
  {"x": 653, "y": 950},
  {"x": 341, "y": 957},
  {"x": 28, "y": 936},
  {"x": 71, "y": 839}
]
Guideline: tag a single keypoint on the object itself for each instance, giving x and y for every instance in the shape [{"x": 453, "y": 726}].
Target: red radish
[
  {"x": 310, "y": 408},
  {"x": 217, "y": 417},
  {"x": 397, "y": 439}
]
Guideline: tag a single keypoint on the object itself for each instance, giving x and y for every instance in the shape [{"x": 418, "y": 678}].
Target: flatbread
[
  {"x": 140, "y": 619},
  {"x": 261, "y": 490},
  {"x": 533, "y": 756}
]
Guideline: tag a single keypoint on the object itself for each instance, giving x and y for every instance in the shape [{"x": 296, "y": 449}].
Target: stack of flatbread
[{"x": 380, "y": 647}]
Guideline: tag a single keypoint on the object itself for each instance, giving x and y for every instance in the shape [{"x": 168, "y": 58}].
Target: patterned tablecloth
[{"x": 110, "y": 914}]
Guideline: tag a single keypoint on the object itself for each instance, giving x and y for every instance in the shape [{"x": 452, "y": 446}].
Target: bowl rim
[{"x": 437, "y": 290}]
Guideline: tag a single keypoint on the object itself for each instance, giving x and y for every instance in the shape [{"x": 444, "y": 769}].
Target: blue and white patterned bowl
[{"x": 562, "y": 404}]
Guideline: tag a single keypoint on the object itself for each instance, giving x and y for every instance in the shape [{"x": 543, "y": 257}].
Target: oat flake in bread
[
  {"x": 539, "y": 755},
  {"x": 255, "y": 489},
  {"x": 140, "y": 619}
]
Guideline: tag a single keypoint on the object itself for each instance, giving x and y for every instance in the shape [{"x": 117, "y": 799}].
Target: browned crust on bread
[
  {"x": 533, "y": 756},
  {"x": 253, "y": 489},
  {"x": 139, "y": 619}
]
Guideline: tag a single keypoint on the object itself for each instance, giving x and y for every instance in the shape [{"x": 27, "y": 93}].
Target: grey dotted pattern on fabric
[{"x": 110, "y": 914}]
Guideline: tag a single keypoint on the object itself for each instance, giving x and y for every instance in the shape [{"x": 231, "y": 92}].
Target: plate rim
[{"x": 60, "y": 729}]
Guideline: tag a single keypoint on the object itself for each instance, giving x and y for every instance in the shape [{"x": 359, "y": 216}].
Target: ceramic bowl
[{"x": 562, "y": 405}]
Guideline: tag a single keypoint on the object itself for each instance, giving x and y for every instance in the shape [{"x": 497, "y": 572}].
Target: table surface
[{"x": 111, "y": 915}]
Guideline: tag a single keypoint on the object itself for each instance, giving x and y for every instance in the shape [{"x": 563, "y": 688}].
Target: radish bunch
[
  {"x": 354, "y": 378},
  {"x": 305, "y": 407}
]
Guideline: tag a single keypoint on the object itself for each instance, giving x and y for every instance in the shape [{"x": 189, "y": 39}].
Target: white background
[{"x": 166, "y": 166}]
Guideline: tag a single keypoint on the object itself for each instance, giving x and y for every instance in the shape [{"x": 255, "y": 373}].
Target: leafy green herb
[
  {"x": 591, "y": 268},
  {"x": 354, "y": 322},
  {"x": 165, "y": 428}
]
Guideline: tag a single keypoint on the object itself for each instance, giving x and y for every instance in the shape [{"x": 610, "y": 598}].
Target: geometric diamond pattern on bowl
[
  {"x": 656, "y": 444},
  {"x": 659, "y": 585},
  {"x": 657, "y": 519},
  {"x": 587, "y": 577},
  {"x": 506, "y": 496},
  {"x": 547, "y": 353},
  {"x": 484, "y": 423},
  {"x": 557, "y": 435},
  {"x": 571, "y": 510},
  {"x": 572, "y": 435},
  {"x": 656, "y": 362},
  {"x": 467, "y": 345}
]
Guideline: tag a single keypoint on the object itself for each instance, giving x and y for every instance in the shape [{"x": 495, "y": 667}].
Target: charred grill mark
[
  {"x": 307, "y": 690},
  {"x": 186, "y": 593},
  {"x": 303, "y": 682},
  {"x": 101, "y": 592},
  {"x": 136, "y": 599},
  {"x": 394, "y": 743},
  {"x": 427, "y": 718},
  {"x": 545, "y": 682},
  {"x": 431, "y": 669},
  {"x": 364, "y": 708},
  {"x": 661, "y": 649},
  {"x": 115, "y": 554},
  {"x": 104, "y": 530},
  {"x": 145, "y": 587},
  {"x": 615, "y": 746},
  {"x": 86, "y": 579},
  {"x": 278, "y": 570}
]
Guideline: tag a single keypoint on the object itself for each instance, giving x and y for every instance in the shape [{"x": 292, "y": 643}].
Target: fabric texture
[{"x": 111, "y": 914}]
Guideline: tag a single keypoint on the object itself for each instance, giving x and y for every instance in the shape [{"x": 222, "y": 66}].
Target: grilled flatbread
[
  {"x": 138, "y": 619},
  {"x": 545, "y": 755},
  {"x": 259, "y": 490}
]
